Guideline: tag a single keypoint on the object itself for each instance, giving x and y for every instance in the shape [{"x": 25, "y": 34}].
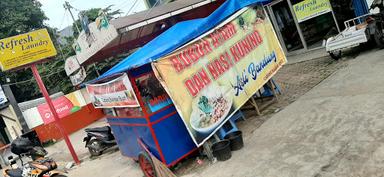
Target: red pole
[{"x": 54, "y": 113}]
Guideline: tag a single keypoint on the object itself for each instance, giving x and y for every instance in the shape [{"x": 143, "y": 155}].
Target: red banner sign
[{"x": 63, "y": 108}]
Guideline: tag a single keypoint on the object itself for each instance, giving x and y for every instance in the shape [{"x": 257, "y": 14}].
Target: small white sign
[
  {"x": 79, "y": 77},
  {"x": 71, "y": 65}
]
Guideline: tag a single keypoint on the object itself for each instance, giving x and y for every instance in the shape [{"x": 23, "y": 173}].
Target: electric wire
[{"x": 130, "y": 9}]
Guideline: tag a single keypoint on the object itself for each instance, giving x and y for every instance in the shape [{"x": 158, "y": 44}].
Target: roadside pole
[{"x": 54, "y": 113}]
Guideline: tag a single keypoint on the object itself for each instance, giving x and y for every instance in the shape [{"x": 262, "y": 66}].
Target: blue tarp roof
[{"x": 178, "y": 35}]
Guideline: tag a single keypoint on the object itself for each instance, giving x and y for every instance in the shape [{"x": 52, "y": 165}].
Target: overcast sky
[{"x": 60, "y": 19}]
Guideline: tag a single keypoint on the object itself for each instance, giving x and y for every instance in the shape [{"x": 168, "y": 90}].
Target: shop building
[{"x": 302, "y": 25}]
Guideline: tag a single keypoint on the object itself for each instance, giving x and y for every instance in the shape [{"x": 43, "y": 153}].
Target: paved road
[{"x": 335, "y": 130}]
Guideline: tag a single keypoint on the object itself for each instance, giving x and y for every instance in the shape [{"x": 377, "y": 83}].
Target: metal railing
[{"x": 356, "y": 21}]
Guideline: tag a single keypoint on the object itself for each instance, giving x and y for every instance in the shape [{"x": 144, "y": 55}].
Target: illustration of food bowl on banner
[{"x": 211, "y": 108}]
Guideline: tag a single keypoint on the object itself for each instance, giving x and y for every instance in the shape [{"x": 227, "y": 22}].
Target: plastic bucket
[
  {"x": 222, "y": 150},
  {"x": 236, "y": 139}
]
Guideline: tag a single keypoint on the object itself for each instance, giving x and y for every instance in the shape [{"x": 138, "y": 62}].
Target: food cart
[{"x": 174, "y": 93}]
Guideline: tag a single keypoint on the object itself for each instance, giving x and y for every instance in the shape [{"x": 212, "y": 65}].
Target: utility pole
[
  {"x": 68, "y": 7},
  {"x": 12, "y": 100}
]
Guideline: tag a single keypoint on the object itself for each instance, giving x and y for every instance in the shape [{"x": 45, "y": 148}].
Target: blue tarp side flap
[
  {"x": 361, "y": 7},
  {"x": 178, "y": 35}
]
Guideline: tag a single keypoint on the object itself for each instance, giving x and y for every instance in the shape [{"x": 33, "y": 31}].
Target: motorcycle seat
[
  {"x": 98, "y": 129},
  {"x": 14, "y": 172}
]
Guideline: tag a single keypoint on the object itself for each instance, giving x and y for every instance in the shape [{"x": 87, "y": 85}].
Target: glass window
[
  {"x": 152, "y": 93},
  {"x": 286, "y": 26},
  {"x": 317, "y": 29}
]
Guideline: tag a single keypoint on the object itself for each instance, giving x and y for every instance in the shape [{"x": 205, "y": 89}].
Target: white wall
[
  {"x": 11, "y": 121},
  {"x": 32, "y": 117}
]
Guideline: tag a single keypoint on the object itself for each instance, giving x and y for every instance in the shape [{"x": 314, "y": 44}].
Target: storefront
[{"x": 302, "y": 25}]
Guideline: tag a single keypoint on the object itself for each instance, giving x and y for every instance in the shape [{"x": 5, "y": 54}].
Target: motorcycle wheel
[
  {"x": 146, "y": 165},
  {"x": 379, "y": 39},
  {"x": 94, "y": 148}
]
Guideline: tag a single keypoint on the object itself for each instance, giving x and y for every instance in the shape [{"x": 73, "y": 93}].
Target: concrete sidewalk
[
  {"x": 336, "y": 129},
  {"x": 308, "y": 55}
]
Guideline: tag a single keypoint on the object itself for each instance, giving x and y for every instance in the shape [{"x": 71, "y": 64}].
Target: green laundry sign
[{"x": 308, "y": 9}]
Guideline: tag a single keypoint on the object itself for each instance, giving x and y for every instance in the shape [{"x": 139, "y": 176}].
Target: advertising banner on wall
[
  {"x": 64, "y": 105},
  {"x": 212, "y": 77},
  {"x": 308, "y": 9},
  {"x": 25, "y": 48},
  {"x": 99, "y": 34},
  {"x": 115, "y": 93}
]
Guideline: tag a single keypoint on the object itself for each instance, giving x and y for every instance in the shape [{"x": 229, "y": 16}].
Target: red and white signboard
[
  {"x": 115, "y": 93},
  {"x": 63, "y": 108}
]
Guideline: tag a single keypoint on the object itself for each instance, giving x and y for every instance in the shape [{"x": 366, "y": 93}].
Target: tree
[
  {"x": 22, "y": 16},
  {"x": 16, "y": 17}
]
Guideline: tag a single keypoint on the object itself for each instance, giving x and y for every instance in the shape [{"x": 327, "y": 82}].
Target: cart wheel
[
  {"x": 335, "y": 54},
  {"x": 379, "y": 39},
  {"x": 146, "y": 165}
]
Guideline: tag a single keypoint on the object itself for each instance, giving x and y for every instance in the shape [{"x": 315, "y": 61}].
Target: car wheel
[{"x": 335, "y": 54}]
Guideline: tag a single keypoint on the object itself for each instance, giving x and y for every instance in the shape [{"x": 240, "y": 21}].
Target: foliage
[
  {"x": 21, "y": 16},
  {"x": 16, "y": 17}
]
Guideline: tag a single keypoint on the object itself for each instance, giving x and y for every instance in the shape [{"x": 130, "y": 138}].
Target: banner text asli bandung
[{"x": 218, "y": 66}]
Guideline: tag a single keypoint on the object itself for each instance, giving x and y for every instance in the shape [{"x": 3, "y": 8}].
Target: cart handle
[{"x": 142, "y": 145}]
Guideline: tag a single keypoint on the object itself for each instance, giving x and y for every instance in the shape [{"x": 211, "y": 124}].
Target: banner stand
[
  {"x": 275, "y": 98},
  {"x": 54, "y": 113},
  {"x": 272, "y": 86},
  {"x": 254, "y": 104}
]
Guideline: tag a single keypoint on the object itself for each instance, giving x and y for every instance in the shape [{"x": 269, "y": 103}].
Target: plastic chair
[
  {"x": 230, "y": 126},
  {"x": 268, "y": 91}
]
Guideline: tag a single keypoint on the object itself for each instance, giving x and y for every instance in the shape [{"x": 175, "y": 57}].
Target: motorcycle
[
  {"x": 40, "y": 166},
  {"x": 379, "y": 25},
  {"x": 99, "y": 139}
]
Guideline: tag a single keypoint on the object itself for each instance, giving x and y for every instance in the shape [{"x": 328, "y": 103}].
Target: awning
[
  {"x": 138, "y": 29},
  {"x": 179, "y": 35},
  {"x": 158, "y": 13}
]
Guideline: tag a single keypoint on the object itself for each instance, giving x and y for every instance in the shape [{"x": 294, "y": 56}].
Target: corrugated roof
[{"x": 154, "y": 12}]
